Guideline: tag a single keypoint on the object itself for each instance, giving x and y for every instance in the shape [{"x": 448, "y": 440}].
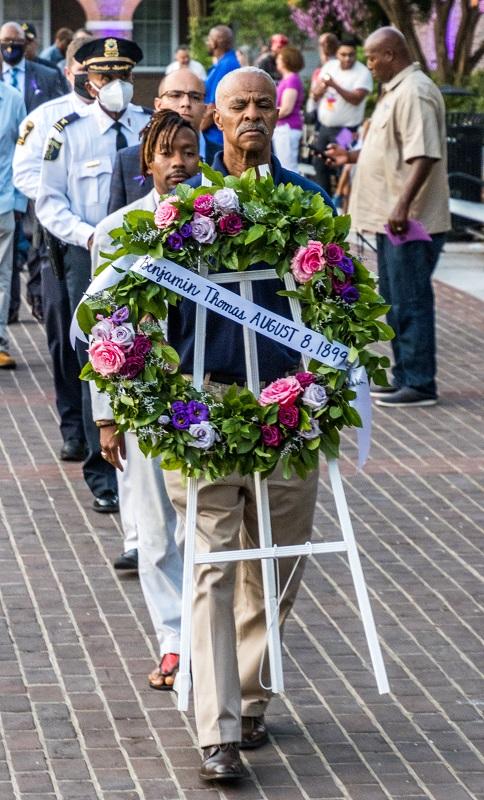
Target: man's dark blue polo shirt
[{"x": 224, "y": 346}]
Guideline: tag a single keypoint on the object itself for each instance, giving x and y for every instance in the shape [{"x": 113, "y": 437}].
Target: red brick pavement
[{"x": 77, "y": 719}]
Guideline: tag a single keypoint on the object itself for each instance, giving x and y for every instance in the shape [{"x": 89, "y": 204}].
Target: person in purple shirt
[
  {"x": 220, "y": 42},
  {"x": 290, "y": 99}
]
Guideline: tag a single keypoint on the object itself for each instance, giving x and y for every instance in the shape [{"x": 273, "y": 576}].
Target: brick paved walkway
[{"x": 77, "y": 717}]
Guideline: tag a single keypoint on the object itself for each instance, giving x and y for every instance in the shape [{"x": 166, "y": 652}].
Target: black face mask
[
  {"x": 12, "y": 53},
  {"x": 80, "y": 86}
]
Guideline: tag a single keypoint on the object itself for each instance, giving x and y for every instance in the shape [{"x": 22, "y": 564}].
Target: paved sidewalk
[{"x": 77, "y": 717}]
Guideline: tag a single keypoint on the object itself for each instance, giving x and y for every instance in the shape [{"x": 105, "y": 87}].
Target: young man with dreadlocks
[{"x": 169, "y": 152}]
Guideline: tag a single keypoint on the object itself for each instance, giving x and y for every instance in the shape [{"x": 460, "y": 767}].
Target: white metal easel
[{"x": 266, "y": 552}]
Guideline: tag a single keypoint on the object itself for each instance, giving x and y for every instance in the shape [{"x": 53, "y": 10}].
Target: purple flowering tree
[{"x": 453, "y": 25}]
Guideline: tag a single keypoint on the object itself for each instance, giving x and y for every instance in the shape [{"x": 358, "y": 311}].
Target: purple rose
[
  {"x": 315, "y": 396},
  {"x": 333, "y": 253},
  {"x": 271, "y": 435},
  {"x": 231, "y": 224},
  {"x": 132, "y": 366},
  {"x": 203, "y": 204},
  {"x": 163, "y": 420},
  {"x": 288, "y": 416},
  {"x": 102, "y": 329},
  {"x": 123, "y": 335},
  {"x": 346, "y": 265},
  {"x": 181, "y": 420},
  {"x": 203, "y": 229},
  {"x": 141, "y": 345},
  {"x": 178, "y": 407},
  {"x": 226, "y": 200},
  {"x": 314, "y": 432},
  {"x": 340, "y": 286},
  {"x": 350, "y": 294},
  {"x": 186, "y": 230},
  {"x": 203, "y": 435},
  {"x": 175, "y": 241},
  {"x": 198, "y": 412},
  {"x": 120, "y": 315},
  {"x": 305, "y": 378}
]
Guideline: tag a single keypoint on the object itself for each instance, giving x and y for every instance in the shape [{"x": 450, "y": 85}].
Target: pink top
[{"x": 294, "y": 119}]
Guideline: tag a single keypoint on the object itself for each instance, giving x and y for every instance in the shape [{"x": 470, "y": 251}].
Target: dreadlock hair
[{"x": 161, "y": 130}]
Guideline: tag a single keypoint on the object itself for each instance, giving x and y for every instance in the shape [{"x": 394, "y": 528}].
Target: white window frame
[
  {"x": 46, "y": 40},
  {"x": 175, "y": 13}
]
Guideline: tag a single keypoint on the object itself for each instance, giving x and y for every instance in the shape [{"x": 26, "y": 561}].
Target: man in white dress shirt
[
  {"x": 74, "y": 193},
  {"x": 183, "y": 59},
  {"x": 169, "y": 152}
]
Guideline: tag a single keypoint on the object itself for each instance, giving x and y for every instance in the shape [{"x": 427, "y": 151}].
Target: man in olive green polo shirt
[{"x": 402, "y": 176}]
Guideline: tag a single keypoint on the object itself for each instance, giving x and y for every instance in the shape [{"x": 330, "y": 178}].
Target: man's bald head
[
  {"x": 220, "y": 39},
  {"x": 252, "y": 77},
  {"x": 182, "y": 91},
  {"x": 387, "y": 53}
]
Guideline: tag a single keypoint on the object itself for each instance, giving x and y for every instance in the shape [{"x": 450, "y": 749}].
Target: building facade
[{"x": 158, "y": 26}]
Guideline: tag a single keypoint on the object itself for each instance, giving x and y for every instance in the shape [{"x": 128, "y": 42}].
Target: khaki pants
[{"x": 229, "y": 626}]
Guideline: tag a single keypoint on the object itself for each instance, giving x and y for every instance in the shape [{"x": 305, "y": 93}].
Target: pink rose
[
  {"x": 271, "y": 435},
  {"x": 283, "y": 391},
  {"x": 307, "y": 260},
  {"x": 288, "y": 416},
  {"x": 166, "y": 213},
  {"x": 305, "y": 378},
  {"x": 203, "y": 204},
  {"x": 231, "y": 224},
  {"x": 333, "y": 253},
  {"x": 141, "y": 345},
  {"x": 107, "y": 358},
  {"x": 132, "y": 367}
]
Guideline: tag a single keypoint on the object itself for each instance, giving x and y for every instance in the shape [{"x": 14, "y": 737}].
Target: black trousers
[
  {"x": 65, "y": 366},
  {"x": 98, "y": 474}
]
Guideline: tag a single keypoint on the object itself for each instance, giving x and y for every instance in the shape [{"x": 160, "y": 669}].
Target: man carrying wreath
[{"x": 229, "y": 625}]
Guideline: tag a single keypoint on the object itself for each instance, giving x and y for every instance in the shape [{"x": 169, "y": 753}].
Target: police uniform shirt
[
  {"x": 33, "y": 132},
  {"x": 76, "y": 171}
]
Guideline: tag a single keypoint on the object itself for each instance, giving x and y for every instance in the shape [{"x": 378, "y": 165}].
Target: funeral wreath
[{"x": 234, "y": 224}]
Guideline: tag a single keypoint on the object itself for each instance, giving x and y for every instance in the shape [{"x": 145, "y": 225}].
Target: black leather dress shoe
[
  {"x": 73, "y": 450},
  {"x": 127, "y": 560},
  {"x": 106, "y": 503},
  {"x": 37, "y": 309},
  {"x": 12, "y": 317},
  {"x": 221, "y": 762},
  {"x": 254, "y": 733}
]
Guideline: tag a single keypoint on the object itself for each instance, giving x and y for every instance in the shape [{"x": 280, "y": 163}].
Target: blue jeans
[{"x": 405, "y": 273}]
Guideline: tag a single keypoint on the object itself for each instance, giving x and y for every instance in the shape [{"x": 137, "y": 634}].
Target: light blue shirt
[
  {"x": 20, "y": 75},
  {"x": 12, "y": 112}
]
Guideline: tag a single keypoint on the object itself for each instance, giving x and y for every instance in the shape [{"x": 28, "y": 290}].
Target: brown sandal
[{"x": 163, "y": 677}]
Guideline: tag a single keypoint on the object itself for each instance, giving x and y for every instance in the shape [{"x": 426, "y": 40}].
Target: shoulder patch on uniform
[
  {"x": 52, "y": 150},
  {"x": 28, "y": 128},
  {"x": 65, "y": 121}
]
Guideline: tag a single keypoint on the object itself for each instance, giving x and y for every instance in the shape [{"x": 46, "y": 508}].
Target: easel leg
[
  {"x": 183, "y": 679},
  {"x": 358, "y": 577},
  {"x": 270, "y": 588}
]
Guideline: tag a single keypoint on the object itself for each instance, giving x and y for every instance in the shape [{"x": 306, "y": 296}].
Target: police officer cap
[
  {"x": 109, "y": 55},
  {"x": 30, "y": 30}
]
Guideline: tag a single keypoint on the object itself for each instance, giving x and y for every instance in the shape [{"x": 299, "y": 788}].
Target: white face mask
[{"x": 116, "y": 95}]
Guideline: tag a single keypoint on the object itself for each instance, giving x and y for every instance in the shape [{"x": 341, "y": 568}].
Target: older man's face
[{"x": 246, "y": 113}]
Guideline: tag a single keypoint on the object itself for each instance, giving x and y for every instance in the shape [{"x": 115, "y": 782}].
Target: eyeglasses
[{"x": 177, "y": 96}]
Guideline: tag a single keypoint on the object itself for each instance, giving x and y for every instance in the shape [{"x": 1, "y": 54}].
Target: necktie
[
  {"x": 14, "y": 79},
  {"x": 121, "y": 140}
]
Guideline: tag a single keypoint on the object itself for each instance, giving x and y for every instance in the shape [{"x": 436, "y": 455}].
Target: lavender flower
[
  {"x": 315, "y": 396},
  {"x": 178, "y": 407},
  {"x": 314, "y": 432},
  {"x": 203, "y": 435},
  {"x": 198, "y": 412},
  {"x": 350, "y": 294},
  {"x": 346, "y": 265},
  {"x": 185, "y": 230},
  {"x": 121, "y": 315},
  {"x": 226, "y": 200},
  {"x": 175, "y": 241},
  {"x": 180, "y": 420},
  {"x": 203, "y": 229}
]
